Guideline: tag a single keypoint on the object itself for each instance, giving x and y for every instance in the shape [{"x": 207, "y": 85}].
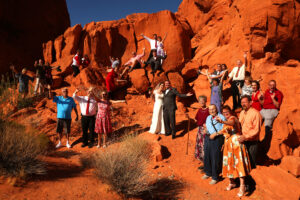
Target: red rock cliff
[
  {"x": 25, "y": 25},
  {"x": 206, "y": 32}
]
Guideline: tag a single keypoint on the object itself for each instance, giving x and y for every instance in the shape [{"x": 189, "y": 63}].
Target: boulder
[
  {"x": 139, "y": 80},
  {"x": 88, "y": 77},
  {"x": 291, "y": 164},
  {"x": 189, "y": 71},
  {"x": 177, "y": 82}
]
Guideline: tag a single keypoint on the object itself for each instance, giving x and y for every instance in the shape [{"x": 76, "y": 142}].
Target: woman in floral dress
[
  {"x": 236, "y": 163},
  {"x": 103, "y": 121}
]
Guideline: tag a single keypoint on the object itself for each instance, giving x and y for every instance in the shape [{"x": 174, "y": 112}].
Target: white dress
[{"x": 157, "y": 125}]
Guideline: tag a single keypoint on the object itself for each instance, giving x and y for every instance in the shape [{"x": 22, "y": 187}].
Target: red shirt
[
  {"x": 201, "y": 116},
  {"x": 255, "y": 102},
  {"x": 268, "y": 102},
  {"x": 110, "y": 83}
]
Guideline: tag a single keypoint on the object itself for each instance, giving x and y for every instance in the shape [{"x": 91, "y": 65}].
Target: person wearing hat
[
  {"x": 65, "y": 105},
  {"x": 88, "y": 107}
]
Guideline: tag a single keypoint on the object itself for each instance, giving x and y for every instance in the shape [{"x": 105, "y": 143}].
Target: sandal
[
  {"x": 230, "y": 186},
  {"x": 242, "y": 191}
]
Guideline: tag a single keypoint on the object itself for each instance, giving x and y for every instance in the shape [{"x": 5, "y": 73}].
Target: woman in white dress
[{"x": 157, "y": 125}]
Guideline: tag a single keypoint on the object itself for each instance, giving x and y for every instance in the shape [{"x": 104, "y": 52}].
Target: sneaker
[
  {"x": 104, "y": 146},
  {"x": 98, "y": 146},
  {"x": 68, "y": 145},
  {"x": 58, "y": 145},
  {"x": 212, "y": 182},
  {"x": 205, "y": 176}
]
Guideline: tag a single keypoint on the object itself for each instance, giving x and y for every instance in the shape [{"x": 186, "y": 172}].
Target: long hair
[{"x": 155, "y": 89}]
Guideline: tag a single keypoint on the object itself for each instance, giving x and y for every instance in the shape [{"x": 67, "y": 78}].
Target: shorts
[
  {"x": 61, "y": 123},
  {"x": 137, "y": 66}
]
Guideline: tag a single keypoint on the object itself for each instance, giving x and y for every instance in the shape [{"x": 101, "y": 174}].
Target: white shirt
[
  {"x": 75, "y": 60},
  {"x": 167, "y": 90},
  {"x": 241, "y": 75},
  {"x": 152, "y": 42},
  {"x": 83, "y": 100}
]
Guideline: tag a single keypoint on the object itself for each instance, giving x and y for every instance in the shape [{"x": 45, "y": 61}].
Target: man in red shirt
[
  {"x": 110, "y": 82},
  {"x": 271, "y": 105}
]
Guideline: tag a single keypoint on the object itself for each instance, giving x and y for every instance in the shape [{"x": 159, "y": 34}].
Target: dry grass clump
[
  {"x": 123, "y": 167},
  {"x": 19, "y": 151}
]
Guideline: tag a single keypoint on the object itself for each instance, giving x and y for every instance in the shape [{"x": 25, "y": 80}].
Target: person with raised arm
[
  {"x": 153, "y": 45},
  {"x": 103, "y": 120},
  {"x": 88, "y": 108},
  {"x": 23, "y": 80},
  {"x": 216, "y": 91},
  {"x": 134, "y": 62},
  {"x": 76, "y": 61},
  {"x": 237, "y": 76},
  {"x": 65, "y": 105},
  {"x": 169, "y": 108}
]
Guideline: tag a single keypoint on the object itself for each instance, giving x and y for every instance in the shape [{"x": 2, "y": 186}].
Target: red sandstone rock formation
[
  {"x": 203, "y": 33},
  {"x": 25, "y": 25}
]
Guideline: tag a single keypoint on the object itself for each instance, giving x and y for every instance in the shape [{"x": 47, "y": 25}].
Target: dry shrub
[
  {"x": 19, "y": 151},
  {"x": 123, "y": 167}
]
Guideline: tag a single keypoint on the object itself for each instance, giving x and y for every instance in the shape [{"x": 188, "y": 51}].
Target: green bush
[{"x": 20, "y": 151}]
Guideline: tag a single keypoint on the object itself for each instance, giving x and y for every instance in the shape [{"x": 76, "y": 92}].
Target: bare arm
[{"x": 164, "y": 37}]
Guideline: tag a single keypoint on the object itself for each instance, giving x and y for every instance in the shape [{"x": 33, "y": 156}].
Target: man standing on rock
[
  {"x": 169, "y": 108},
  {"x": 271, "y": 104},
  {"x": 250, "y": 120},
  {"x": 156, "y": 63},
  {"x": 153, "y": 44},
  {"x": 65, "y": 105},
  {"x": 237, "y": 75},
  {"x": 88, "y": 107},
  {"x": 76, "y": 63}
]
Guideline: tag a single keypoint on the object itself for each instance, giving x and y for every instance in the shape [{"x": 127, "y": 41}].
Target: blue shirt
[
  {"x": 64, "y": 106},
  {"x": 210, "y": 121}
]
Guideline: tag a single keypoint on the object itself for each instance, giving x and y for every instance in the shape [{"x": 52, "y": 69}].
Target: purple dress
[{"x": 216, "y": 96}]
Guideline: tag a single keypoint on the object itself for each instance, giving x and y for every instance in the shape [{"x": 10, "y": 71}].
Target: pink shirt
[{"x": 136, "y": 58}]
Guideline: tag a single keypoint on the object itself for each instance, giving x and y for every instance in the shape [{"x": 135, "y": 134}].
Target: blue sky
[{"x": 85, "y": 11}]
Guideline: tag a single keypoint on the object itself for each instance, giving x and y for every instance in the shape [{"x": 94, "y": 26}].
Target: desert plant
[
  {"x": 123, "y": 167},
  {"x": 20, "y": 151}
]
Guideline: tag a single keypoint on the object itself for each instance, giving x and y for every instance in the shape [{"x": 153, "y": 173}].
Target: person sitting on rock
[
  {"x": 115, "y": 62},
  {"x": 134, "y": 62},
  {"x": 85, "y": 61},
  {"x": 65, "y": 105},
  {"x": 156, "y": 62},
  {"x": 153, "y": 44},
  {"x": 76, "y": 63},
  {"x": 271, "y": 103},
  {"x": 23, "y": 80}
]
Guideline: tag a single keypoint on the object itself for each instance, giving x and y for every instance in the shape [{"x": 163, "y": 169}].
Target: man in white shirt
[
  {"x": 76, "y": 63},
  {"x": 237, "y": 75},
  {"x": 88, "y": 107},
  {"x": 153, "y": 45}
]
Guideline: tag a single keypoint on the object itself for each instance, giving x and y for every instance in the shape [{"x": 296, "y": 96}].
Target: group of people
[
  {"x": 95, "y": 116},
  {"x": 43, "y": 76},
  {"x": 226, "y": 144}
]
